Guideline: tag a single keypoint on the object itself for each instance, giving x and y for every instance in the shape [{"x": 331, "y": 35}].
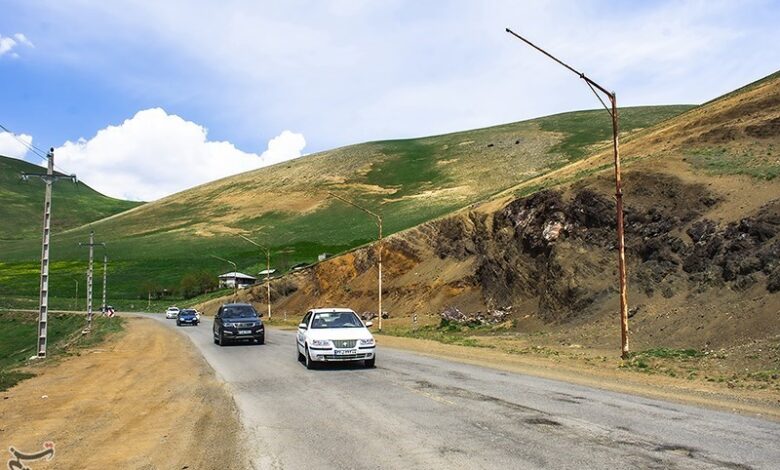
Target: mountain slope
[
  {"x": 286, "y": 206},
  {"x": 72, "y": 205},
  {"x": 702, "y": 212}
]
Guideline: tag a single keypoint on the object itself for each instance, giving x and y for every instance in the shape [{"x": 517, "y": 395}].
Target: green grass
[
  {"x": 18, "y": 332},
  {"x": 411, "y": 167},
  {"x": 662, "y": 360},
  {"x": 753, "y": 162},
  {"x": 72, "y": 205},
  {"x": 582, "y": 132},
  {"x": 420, "y": 180}
]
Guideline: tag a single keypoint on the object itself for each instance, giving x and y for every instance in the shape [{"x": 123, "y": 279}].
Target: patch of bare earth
[{"x": 143, "y": 400}]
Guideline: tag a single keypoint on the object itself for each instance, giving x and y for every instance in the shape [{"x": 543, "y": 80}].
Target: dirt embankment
[
  {"x": 551, "y": 256},
  {"x": 141, "y": 401}
]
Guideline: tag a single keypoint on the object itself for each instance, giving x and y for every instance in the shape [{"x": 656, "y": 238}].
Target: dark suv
[{"x": 236, "y": 322}]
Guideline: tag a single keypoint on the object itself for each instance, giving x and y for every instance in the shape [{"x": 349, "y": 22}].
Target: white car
[
  {"x": 172, "y": 312},
  {"x": 334, "y": 335}
]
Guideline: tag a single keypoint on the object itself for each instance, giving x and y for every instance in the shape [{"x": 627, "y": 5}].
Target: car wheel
[
  {"x": 221, "y": 340},
  {"x": 178, "y": 323},
  {"x": 300, "y": 356},
  {"x": 261, "y": 340},
  {"x": 307, "y": 359},
  {"x": 370, "y": 363}
]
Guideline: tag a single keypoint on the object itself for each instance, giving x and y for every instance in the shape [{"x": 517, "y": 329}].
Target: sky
[{"x": 142, "y": 99}]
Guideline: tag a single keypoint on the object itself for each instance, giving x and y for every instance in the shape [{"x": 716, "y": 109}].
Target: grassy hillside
[
  {"x": 72, "y": 205},
  {"x": 286, "y": 206},
  {"x": 533, "y": 271}
]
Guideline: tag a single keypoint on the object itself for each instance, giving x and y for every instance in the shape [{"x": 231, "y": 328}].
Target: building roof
[
  {"x": 266, "y": 271},
  {"x": 237, "y": 275}
]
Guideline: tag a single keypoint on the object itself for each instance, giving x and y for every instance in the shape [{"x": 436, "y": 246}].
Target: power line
[
  {"x": 29, "y": 145},
  {"x": 35, "y": 150}
]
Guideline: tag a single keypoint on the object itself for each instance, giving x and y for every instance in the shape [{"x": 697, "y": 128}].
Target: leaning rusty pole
[{"x": 613, "y": 112}]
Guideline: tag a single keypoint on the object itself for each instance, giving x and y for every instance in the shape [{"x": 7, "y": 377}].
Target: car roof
[
  {"x": 331, "y": 309},
  {"x": 237, "y": 304}
]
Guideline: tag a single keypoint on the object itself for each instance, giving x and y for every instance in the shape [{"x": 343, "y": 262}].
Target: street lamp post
[
  {"x": 379, "y": 245},
  {"x": 613, "y": 112},
  {"x": 267, "y": 270},
  {"x": 235, "y": 275}
]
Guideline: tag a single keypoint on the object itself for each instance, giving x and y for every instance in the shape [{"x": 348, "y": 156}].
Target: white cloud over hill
[{"x": 155, "y": 154}]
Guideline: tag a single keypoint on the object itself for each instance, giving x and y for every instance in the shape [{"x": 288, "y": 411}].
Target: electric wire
[{"x": 32, "y": 148}]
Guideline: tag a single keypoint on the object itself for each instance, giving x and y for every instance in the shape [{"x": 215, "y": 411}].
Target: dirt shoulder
[
  {"x": 142, "y": 400},
  {"x": 603, "y": 374}
]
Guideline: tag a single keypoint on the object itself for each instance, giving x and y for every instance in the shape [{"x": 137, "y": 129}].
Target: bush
[{"x": 197, "y": 283}]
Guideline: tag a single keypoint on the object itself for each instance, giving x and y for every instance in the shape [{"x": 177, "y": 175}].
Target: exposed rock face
[
  {"x": 562, "y": 250},
  {"x": 490, "y": 317}
]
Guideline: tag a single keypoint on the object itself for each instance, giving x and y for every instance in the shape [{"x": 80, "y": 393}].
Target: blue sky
[{"x": 129, "y": 78}]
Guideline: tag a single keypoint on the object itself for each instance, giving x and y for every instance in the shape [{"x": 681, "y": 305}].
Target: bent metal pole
[
  {"x": 613, "y": 112},
  {"x": 379, "y": 246}
]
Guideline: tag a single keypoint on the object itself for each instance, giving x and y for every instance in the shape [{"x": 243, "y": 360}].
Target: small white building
[
  {"x": 234, "y": 278},
  {"x": 267, "y": 272}
]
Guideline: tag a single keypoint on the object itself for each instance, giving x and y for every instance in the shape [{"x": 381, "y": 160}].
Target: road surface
[{"x": 413, "y": 411}]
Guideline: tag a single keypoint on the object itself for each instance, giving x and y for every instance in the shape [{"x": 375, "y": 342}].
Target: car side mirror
[
  {"x": 302, "y": 326},
  {"x": 369, "y": 324}
]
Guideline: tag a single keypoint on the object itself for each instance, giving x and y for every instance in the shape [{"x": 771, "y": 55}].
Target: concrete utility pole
[
  {"x": 267, "y": 270},
  {"x": 91, "y": 246},
  {"x": 613, "y": 112},
  {"x": 379, "y": 245},
  {"x": 43, "y": 310},
  {"x": 105, "y": 278}
]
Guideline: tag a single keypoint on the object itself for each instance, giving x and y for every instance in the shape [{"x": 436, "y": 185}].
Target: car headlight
[
  {"x": 367, "y": 342},
  {"x": 320, "y": 342}
]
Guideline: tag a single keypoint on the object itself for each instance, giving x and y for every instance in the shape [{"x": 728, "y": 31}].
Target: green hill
[
  {"x": 287, "y": 207},
  {"x": 72, "y": 205}
]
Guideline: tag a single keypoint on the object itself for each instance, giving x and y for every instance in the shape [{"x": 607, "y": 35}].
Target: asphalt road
[{"x": 413, "y": 411}]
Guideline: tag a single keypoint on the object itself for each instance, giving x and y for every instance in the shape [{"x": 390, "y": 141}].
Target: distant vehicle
[
  {"x": 107, "y": 311},
  {"x": 238, "y": 322},
  {"x": 172, "y": 312},
  {"x": 187, "y": 316},
  {"x": 334, "y": 335}
]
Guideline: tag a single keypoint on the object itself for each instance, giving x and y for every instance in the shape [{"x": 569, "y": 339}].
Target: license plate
[
  {"x": 345, "y": 352},
  {"x": 245, "y": 332}
]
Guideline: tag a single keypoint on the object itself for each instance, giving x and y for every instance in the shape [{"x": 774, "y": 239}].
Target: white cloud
[
  {"x": 8, "y": 44},
  {"x": 154, "y": 154},
  {"x": 10, "y": 145},
  {"x": 344, "y": 71},
  {"x": 285, "y": 146},
  {"x": 22, "y": 39}
]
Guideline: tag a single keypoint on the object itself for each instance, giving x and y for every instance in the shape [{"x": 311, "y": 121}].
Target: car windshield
[
  {"x": 187, "y": 312},
  {"x": 336, "y": 320},
  {"x": 238, "y": 311}
]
